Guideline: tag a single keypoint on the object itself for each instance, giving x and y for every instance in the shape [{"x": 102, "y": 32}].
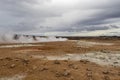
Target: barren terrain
[{"x": 63, "y": 60}]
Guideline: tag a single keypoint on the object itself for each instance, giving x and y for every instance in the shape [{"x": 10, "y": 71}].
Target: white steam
[{"x": 10, "y": 38}]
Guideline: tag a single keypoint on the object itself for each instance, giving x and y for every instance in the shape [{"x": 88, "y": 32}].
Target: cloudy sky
[{"x": 60, "y": 17}]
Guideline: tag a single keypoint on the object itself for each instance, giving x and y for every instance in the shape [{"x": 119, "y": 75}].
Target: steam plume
[{"x": 16, "y": 38}]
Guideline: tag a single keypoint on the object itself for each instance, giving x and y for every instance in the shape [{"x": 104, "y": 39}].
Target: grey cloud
[{"x": 48, "y": 15}]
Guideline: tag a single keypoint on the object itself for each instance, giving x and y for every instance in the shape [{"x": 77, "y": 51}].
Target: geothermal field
[{"x": 59, "y": 58}]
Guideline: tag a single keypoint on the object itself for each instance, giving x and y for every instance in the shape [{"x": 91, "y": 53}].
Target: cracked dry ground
[{"x": 19, "y": 61}]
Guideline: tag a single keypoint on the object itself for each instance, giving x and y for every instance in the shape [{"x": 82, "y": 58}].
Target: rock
[
  {"x": 1, "y": 59},
  {"x": 89, "y": 74},
  {"x": 29, "y": 71},
  {"x": 34, "y": 67},
  {"x": 58, "y": 74},
  {"x": 89, "y": 78},
  {"x": 65, "y": 69},
  {"x": 5, "y": 64},
  {"x": 88, "y": 69},
  {"x": 107, "y": 78},
  {"x": 68, "y": 59},
  {"x": 44, "y": 69},
  {"x": 105, "y": 51},
  {"x": 66, "y": 73},
  {"x": 118, "y": 58},
  {"x": 31, "y": 56},
  {"x": 71, "y": 64},
  {"x": 16, "y": 59},
  {"x": 56, "y": 62},
  {"x": 75, "y": 67},
  {"x": 26, "y": 61},
  {"x": 115, "y": 62},
  {"x": 84, "y": 61},
  {"x": 105, "y": 72},
  {"x": 8, "y": 58},
  {"x": 12, "y": 66},
  {"x": 71, "y": 78},
  {"x": 65, "y": 60}
]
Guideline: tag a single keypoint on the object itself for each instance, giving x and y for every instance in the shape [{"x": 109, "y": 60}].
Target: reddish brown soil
[{"x": 19, "y": 61}]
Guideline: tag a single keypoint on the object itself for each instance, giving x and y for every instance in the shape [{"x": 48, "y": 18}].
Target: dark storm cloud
[{"x": 58, "y": 15}]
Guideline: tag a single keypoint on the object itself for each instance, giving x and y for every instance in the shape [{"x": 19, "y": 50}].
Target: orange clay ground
[{"x": 19, "y": 63}]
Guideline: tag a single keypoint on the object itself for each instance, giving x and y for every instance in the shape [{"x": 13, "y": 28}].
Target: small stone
[
  {"x": 88, "y": 69},
  {"x": 12, "y": 66},
  {"x": 29, "y": 71},
  {"x": 56, "y": 62},
  {"x": 70, "y": 65},
  {"x": 31, "y": 56},
  {"x": 5, "y": 64},
  {"x": 84, "y": 61},
  {"x": 105, "y": 51},
  {"x": 44, "y": 69},
  {"x": 68, "y": 59},
  {"x": 105, "y": 72},
  {"x": 34, "y": 67},
  {"x": 115, "y": 62},
  {"x": 75, "y": 67},
  {"x": 1, "y": 59},
  {"x": 106, "y": 78},
  {"x": 118, "y": 58},
  {"x": 26, "y": 61},
  {"x": 58, "y": 74},
  {"x": 71, "y": 78},
  {"x": 16, "y": 59},
  {"x": 66, "y": 73},
  {"x": 8, "y": 58},
  {"x": 89, "y": 74},
  {"x": 65, "y": 60},
  {"x": 65, "y": 69}
]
